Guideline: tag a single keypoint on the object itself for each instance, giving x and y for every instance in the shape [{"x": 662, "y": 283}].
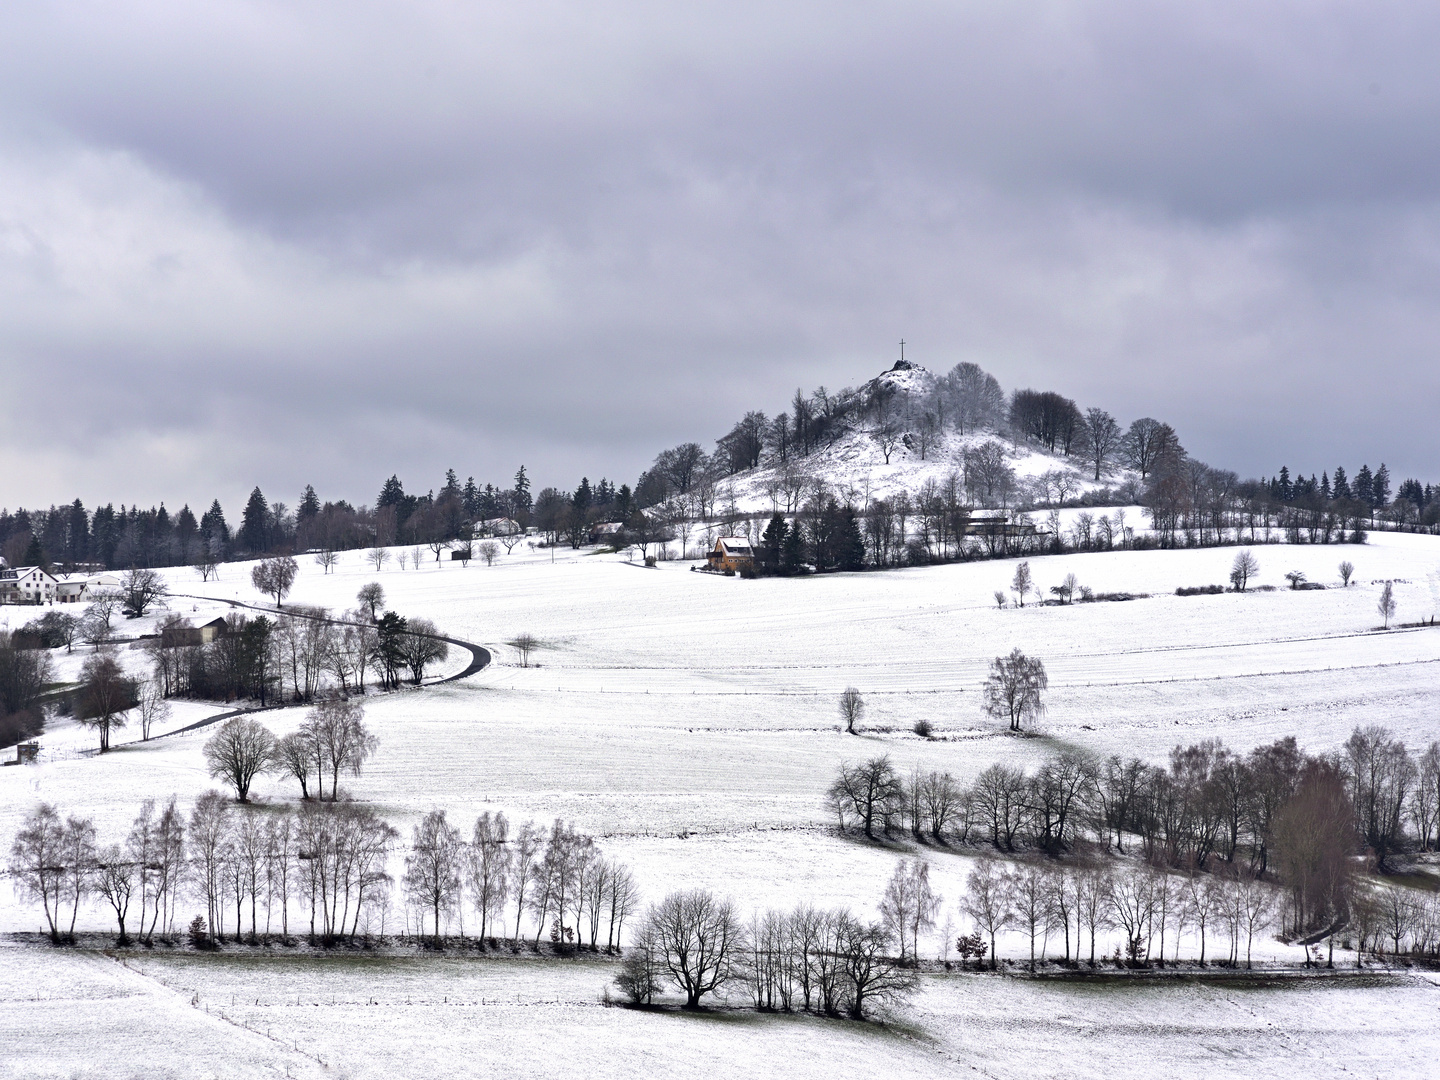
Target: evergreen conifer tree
[
  {"x": 1364, "y": 486},
  {"x": 254, "y": 523},
  {"x": 1380, "y": 487},
  {"x": 309, "y": 505}
]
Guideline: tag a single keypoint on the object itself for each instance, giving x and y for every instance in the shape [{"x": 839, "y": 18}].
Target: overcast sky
[{"x": 314, "y": 242}]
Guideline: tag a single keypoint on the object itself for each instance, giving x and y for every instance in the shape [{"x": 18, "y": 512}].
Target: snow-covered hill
[{"x": 884, "y": 452}]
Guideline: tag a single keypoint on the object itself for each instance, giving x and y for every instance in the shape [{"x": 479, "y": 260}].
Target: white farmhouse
[{"x": 26, "y": 585}]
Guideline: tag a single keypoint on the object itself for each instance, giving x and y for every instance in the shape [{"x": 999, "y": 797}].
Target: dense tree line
[
  {"x": 325, "y": 865},
  {"x": 1189, "y": 503},
  {"x": 830, "y": 962},
  {"x": 69, "y": 537},
  {"x": 297, "y": 655},
  {"x": 1274, "y": 813}
]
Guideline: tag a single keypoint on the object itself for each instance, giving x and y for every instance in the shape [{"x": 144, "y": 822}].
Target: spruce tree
[
  {"x": 1380, "y": 487},
  {"x": 217, "y": 533},
  {"x": 1364, "y": 486},
  {"x": 392, "y": 493},
  {"x": 309, "y": 505},
  {"x": 792, "y": 551},
  {"x": 522, "y": 491},
  {"x": 1341, "y": 487},
  {"x": 35, "y": 554},
  {"x": 254, "y": 523},
  {"x": 852, "y": 543},
  {"x": 772, "y": 544}
]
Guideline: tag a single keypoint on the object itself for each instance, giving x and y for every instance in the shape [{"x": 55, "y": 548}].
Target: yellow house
[{"x": 732, "y": 553}]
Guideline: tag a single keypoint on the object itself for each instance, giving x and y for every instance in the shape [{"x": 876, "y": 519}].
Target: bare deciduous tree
[
  {"x": 1022, "y": 583},
  {"x": 909, "y": 905},
  {"x": 1347, "y": 571},
  {"x": 37, "y": 862},
  {"x": 852, "y": 708},
  {"x": 295, "y": 756},
  {"x": 525, "y": 644},
  {"x": 1245, "y": 567},
  {"x": 870, "y": 793},
  {"x": 698, "y": 939},
  {"x": 377, "y": 557},
  {"x": 372, "y": 596},
  {"x": 489, "y": 869},
  {"x": 1386, "y": 604},
  {"x": 336, "y": 725},
  {"x": 1014, "y": 688},
  {"x": 274, "y": 577},
  {"x": 432, "y": 869},
  {"x": 1100, "y": 439},
  {"x": 140, "y": 589},
  {"x": 326, "y": 559},
  {"x": 489, "y": 551},
  {"x": 152, "y": 706},
  {"x": 422, "y": 646},
  {"x": 241, "y": 750},
  {"x": 106, "y": 695},
  {"x": 987, "y": 902}
]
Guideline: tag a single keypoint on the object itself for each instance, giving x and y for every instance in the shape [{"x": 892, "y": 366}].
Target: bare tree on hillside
[
  {"x": 489, "y": 869},
  {"x": 377, "y": 557},
  {"x": 1347, "y": 571},
  {"x": 987, "y": 902},
  {"x": 1014, "y": 687},
  {"x": 525, "y": 644},
  {"x": 241, "y": 750},
  {"x": 909, "y": 905},
  {"x": 870, "y": 793},
  {"x": 888, "y": 436},
  {"x": 295, "y": 755},
  {"x": 1100, "y": 439},
  {"x": 433, "y": 867},
  {"x": 1386, "y": 604},
  {"x": 153, "y": 707},
  {"x": 699, "y": 940},
  {"x": 422, "y": 646},
  {"x": 106, "y": 695},
  {"x": 1022, "y": 583},
  {"x": 205, "y": 564},
  {"x": 372, "y": 596},
  {"x": 1245, "y": 567},
  {"x": 852, "y": 708},
  {"x": 99, "y": 614},
  {"x": 37, "y": 862},
  {"x": 337, "y": 727},
  {"x": 140, "y": 588},
  {"x": 274, "y": 577},
  {"x": 326, "y": 559}
]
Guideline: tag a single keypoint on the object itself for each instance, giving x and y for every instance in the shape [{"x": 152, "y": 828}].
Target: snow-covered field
[
  {"x": 690, "y": 722},
  {"x": 82, "y": 1016}
]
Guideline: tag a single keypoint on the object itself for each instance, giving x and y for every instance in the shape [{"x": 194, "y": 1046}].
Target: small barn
[{"x": 731, "y": 553}]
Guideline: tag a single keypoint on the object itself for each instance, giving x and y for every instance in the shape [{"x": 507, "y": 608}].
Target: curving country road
[{"x": 479, "y": 659}]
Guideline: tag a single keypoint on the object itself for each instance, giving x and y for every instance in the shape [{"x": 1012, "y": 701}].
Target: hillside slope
[{"x": 857, "y": 468}]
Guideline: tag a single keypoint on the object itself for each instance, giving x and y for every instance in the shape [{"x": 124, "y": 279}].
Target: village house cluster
[{"x": 36, "y": 585}]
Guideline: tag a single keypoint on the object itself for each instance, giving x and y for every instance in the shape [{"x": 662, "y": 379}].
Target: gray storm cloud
[{"x": 319, "y": 243}]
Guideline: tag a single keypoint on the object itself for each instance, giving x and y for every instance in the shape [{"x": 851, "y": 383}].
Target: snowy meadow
[{"x": 687, "y": 723}]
